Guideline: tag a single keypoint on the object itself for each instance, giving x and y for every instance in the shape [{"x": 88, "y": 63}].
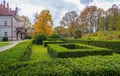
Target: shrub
[
  {"x": 40, "y": 38},
  {"x": 76, "y": 50},
  {"x": 5, "y": 39},
  {"x": 45, "y": 43},
  {"x": 54, "y": 36},
  {"x": 114, "y": 45},
  {"x": 20, "y": 52},
  {"x": 28, "y": 37},
  {"x": 53, "y": 39},
  {"x": 33, "y": 41},
  {"x": 86, "y": 66}
]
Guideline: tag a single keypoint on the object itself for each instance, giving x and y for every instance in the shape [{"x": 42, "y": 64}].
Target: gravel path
[{"x": 13, "y": 43}]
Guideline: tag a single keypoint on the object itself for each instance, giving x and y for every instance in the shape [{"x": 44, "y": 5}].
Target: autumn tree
[
  {"x": 44, "y": 23},
  {"x": 70, "y": 20},
  {"x": 61, "y": 31},
  {"x": 90, "y": 18}
]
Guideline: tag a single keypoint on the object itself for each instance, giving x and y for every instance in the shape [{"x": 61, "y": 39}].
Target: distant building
[{"x": 8, "y": 21}]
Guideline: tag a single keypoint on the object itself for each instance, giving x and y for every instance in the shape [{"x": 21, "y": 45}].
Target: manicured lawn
[
  {"x": 4, "y": 44},
  {"x": 39, "y": 53}
]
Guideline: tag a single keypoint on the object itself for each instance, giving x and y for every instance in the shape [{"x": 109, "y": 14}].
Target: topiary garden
[{"x": 63, "y": 57}]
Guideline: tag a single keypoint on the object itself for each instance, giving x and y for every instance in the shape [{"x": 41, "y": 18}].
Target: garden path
[{"x": 13, "y": 43}]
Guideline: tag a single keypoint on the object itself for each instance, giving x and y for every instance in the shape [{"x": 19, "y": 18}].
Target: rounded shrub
[
  {"x": 40, "y": 38},
  {"x": 5, "y": 39},
  {"x": 28, "y": 37},
  {"x": 54, "y": 36}
]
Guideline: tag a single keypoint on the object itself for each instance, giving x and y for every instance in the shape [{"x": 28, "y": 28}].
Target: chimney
[
  {"x": 16, "y": 9},
  {"x": 10, "y": 9},
  {"x": 7, "y": 5},
  {"x": 4, "y": 3}
]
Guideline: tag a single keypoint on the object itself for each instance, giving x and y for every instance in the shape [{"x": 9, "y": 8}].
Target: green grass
[
  {"x": 102, "y": 35},
  {"x": 39, "y": 53},
  {"x": 4, "y": 44}
]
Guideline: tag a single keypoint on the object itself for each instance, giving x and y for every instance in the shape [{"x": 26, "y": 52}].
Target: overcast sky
[{"x": 57, "y": 7}]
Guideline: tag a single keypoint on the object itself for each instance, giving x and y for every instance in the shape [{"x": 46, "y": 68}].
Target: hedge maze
[
  {"x": 68, "y": 58},
  {"x": 80, "y": 48},
  {"x": 76, "y": 50}
]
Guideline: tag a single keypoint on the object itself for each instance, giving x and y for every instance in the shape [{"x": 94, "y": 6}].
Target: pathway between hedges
[{"x": 13, "y": 43}]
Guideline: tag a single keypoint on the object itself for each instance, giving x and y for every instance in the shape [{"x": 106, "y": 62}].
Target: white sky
[{"x": 57, "y": 7}]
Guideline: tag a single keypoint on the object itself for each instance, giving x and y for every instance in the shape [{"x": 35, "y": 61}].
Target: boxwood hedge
[
  {"x": 115, "y": 45},
  {"x": 20, "y": 52},
  {"x": 76, "y": 50},
  {"x": 85, "y": 66},
  {"x": 45, "y": 43}
]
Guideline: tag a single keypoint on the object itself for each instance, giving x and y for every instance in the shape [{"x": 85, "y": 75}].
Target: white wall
[
  {"x": 3, "y": 28},
  {"x": 5, "y": 18},
  {"x": 11, "y": 21}
]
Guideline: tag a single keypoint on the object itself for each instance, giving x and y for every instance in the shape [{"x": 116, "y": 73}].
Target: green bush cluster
[
  {"x": 45, "y": 43},
  {"x": 86, "y": 66},
  {"x": 27, "y": 37},
  {"x": 40, "y": 38},
  {"x": 76, "y": 50},
  {"x": 54, "y": 36},
  {"x": 53, "y": 39},
  {"x": 20, "y": 52},
  {"x": 27, "y": 54},
  {"x": 5, "y": 39}
]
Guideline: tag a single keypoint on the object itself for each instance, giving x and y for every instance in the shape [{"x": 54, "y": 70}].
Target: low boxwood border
[
  {"x": 45, "y": 43},
  {"x": 20, "y": 52},
  {"x": 115, "y": 45},
  {"x": 57, "y": 51}
]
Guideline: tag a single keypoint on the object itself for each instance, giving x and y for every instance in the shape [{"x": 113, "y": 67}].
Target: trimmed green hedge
[
  {"x": 5, "y": 39},
  {"x": 40, "y": 38},
  {"x": 21, "y": 52},
  {"x": 54, "y": 39},
  {"x": 115, "y": 45},
  {"x": 85, "y": 66},
  {"x": 78, "y": 50},
  {"x": 54, "y": 36},
  {"x": 45, "y": 43}
]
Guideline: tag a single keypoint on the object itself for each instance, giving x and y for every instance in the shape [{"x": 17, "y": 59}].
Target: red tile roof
[{"x": 6, "y": 11}]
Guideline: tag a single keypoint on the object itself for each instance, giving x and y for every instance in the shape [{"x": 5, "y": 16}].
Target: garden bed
[
  {"x": 114, "y": 45},
  {"x": 45, "y": 43},
  {"x": 76, "y": 50}
]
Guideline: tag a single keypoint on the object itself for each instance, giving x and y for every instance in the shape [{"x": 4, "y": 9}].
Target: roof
[{"x": 6, "y": 11}]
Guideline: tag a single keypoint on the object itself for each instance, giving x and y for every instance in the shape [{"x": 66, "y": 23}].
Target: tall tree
[
  {"x": 25, "y": 21},
  {"x": 90, "y": 17},
  {"x": 44, "y": 23},
  {"x": 112, "y": 16},
  {"x": 70, "y": 20}
]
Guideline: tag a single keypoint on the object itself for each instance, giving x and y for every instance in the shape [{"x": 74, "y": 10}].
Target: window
[
  {"x": 6, "y": 34},
  {"x": 5, "y": 23}
]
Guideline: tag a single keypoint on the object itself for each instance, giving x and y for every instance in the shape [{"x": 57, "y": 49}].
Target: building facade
[{"x": 8, "y": 21}]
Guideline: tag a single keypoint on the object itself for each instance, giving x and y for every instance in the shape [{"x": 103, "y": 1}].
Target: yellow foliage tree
[{"x": 44, "y": 23}]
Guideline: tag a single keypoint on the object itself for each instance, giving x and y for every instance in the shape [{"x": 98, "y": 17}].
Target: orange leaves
[{"x": 44, "y": 23}]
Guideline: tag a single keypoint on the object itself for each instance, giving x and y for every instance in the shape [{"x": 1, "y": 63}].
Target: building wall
[
  {"x": 12, "y": 23},
  {"x": 15, "y": 24},
  {"x": 4, "y": 28}
]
